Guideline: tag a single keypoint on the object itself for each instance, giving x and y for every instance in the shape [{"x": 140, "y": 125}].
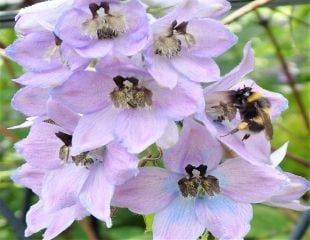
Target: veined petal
[
  {"x": 31, "y": 101},
  {"x": 119, "y": 165},
  {"x": 294, "y": 205},
  {"x": 62, "y": 115},
  {"x": 247, "y": 183},
  {"x": 196, "y": 146},
  {"x": 182, "y": 101},
  {"x": 137, "y": 129},
  {"x": 97, "y": 193},
  {"x": 294, "y": 190},
  {"x": 177, "y": 221},
  {"x": 234, "y": 76},
  {"x": 30, "y": 177},
  {"x": 197, "y": 69},
  {"x": 223, "y": 217},
  {"x": 61, "y": 187},
  {"x": 85, "y": 92},
  {"x": 213, "y": 41},
  {"x": 41, "y": 147},
  {"x": 149, "y": 192},
  {"x": 170, "y": 136},
  {"x": 94, "y": 130}
]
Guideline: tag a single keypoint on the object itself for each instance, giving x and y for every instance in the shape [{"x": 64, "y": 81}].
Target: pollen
[
  {"x": 104, "y": 25},
  {"x": 167, "y": 46},
  {"x": 196, "y": 184},
  {"x": 129, "y": 94}
]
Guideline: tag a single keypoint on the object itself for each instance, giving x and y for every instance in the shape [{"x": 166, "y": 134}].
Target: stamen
[
  {"x": 170, "y": 45},
  {"x": 197, "y": 184},
  {"x": 129, "y": 95},
  {"x": 103, "y": 24}
]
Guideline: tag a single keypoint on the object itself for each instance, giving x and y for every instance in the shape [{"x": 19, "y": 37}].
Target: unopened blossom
[
  {"x": 68, "y": 181},
  {"x": 122, "y": 102},
  {"x": 182, "y": 45},
  {"x": 255, "y": 149},
  {"x": 96, "y": 27},
  {"x": 197, "y": 192}
]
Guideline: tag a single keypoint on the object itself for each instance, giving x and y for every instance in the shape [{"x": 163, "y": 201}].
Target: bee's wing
[{"x": 266, "y": 121}]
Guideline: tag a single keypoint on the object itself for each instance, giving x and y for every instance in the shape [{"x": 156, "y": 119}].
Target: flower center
[
  {"x": 84, "y": 159},
  {"x": 196, "y": 184},
  {"x": 129, "y": 94},
  {"x": 104, "y": 25},
  {"x": 170, "y": 45}
]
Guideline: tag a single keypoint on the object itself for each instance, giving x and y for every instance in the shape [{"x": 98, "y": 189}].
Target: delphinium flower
[
  {"x": 66, "y": 183},
  {"x": 197, "y": 191},
  {"x": 122, "y": 102},
  {"x": 95, "y": 27},
  {"x": 183, "y": 45},
  {"x": 222, "y": 118}
]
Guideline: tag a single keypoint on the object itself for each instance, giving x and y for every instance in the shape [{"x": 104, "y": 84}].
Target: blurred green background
[{"x": 290, "y": 25}]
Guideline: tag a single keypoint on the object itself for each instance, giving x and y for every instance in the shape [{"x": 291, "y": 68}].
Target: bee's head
[{"x": 242, "y": 94}]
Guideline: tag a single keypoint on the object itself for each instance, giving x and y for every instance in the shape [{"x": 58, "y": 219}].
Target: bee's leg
[
  {"x": 246, "y": 136},
  {"x": 240, "y": 127}
]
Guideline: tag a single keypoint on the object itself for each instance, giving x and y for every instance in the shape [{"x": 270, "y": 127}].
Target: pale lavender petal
[
  {"x": 94, "y": 130},
  {"x": 161, "y": 69},
  {"x": 177, "y": 221},
  {"x": 278, "y": 155},
  {"x": 30, "y": 177},
  {"x": 213, "y": 8},
  {"x": 136, "y": 36},
  {"x": 213, "y": 40},
  {"x": 255, "y": 150},
  {"x": 30, "y": 19},
  {"x": 137, "y": 129},
  {"x": 182, "y": 101},
  {"x": 97, "y": 193},
  {"x": 224, "y": 218},
  {"x": 62, "y": 115},
  {"x": 278, "y": 102},
  {"x": 294, "y": 205},
  {"x": 44, "y": 79},
  {"x": 61, "y": 187},
  {"x": 197, "y": 69},
  {"x": 41, "y": 147},
  {"x": 96, "y": 49},
  {"x": 295, "y": 189},
  {"x": 234, "y": 76},
  {"x": 119, "y": 165},
  {"x": 63, "y": 219},
  {"x": 170, "y": 136},
  {"x": 247, "y": 183},
  {"x": 34, "y": 52},
  {"x": 196, "y": 146},
  {"x": 31, "y": 101},
  {"x": 85, "y": 92},
  {"x": 157, "y": 184},
  {"x": 70, "y": 33},
  {"x": 36, "y": 219}
]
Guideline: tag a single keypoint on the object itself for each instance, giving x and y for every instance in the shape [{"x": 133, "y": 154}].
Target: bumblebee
[{"x": 254, "y": 110}]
